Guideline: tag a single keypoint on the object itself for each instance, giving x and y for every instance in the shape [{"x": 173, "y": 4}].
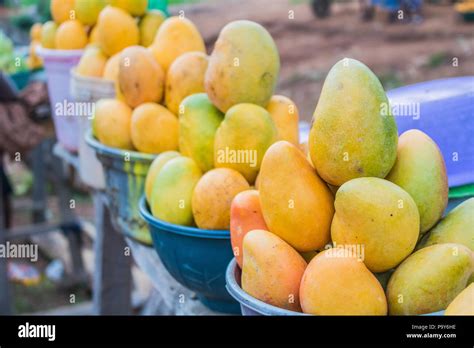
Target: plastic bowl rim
[
  {"x": 116, "y": 153},
  {"x": 177, "y": 229}
]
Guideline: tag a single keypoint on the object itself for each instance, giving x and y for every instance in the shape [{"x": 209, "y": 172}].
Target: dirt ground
[{"x": 398, "y": 53}]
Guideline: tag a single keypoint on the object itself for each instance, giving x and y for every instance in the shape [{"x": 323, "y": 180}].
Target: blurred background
[{"x": 403, "y": 42}]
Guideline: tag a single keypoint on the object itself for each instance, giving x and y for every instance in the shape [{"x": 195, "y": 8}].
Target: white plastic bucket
[
  {"x": 57, "y": 64},
  {"x": 90, "y": 90}
]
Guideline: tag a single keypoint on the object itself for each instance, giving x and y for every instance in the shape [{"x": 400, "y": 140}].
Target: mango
[
  {"x": 272, "y": 270},
  {"x": 154, "y": 129},
  {"x": 70, "y": 35},
  {"x": 243, "y": 138},
  {"x": 456, "y": 227},
  {"x": 92, "y": 62},
  {"x": 354, "y": 133},
  {"x": 87, "y": 11},
  {"x": 62, "y": 10},
  {"x": 430, "y": 279},
  {"x": 463, "y": 304},
  {"x": 335, "y": 284},
  {"x": 48, "y": 35},
  {"x": 174, "y": 37},
  {"x": 149, "y": 25},
  {"x": 198, "y": 124},
  {"x": 213, "y": 196},
  {"x": 172, "y": 191},
  {"x": 35, "y": 32},
  {"x": 94, "y": 36},
  {"x": 111, "y": 72},
  {"x": 296, "y": 204},
  {"x": 245, "y": 216},
  {"x": 285, "y": 115},
  {"x": 420, "y": 170},
  {"x": 111, "y": 123},
  {"x": 141, "y": 79},
  {"x": 243, "y": 67},
  {"x": 116, "y": 30},
  {"x": 184, "y": 77},
  {"x": 380, "y": 217},
  {"x": 134, "y": 7},
  {"x": 155, "y": 168}
]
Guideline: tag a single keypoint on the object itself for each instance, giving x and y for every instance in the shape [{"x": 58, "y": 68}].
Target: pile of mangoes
[{"x": 355, "y": 228}]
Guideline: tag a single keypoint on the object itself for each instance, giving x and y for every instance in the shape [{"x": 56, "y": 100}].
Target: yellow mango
[
  {"x": 354, "y": 133},
  {"x": 141, "y": 79},
  {"x": 184, "y": 77},
  {"x": 296, "y": 204},
  {"x": 198, "y": 124},
  {"x": 334, "y": 284},
  {"x": 213, "y": 197},
  {"x": 87, "y": 11},
  {"x": 116, "y": 30},
  {"x": 111, "y": 72},
  {"x": 285, "y": 115},
  {"x": 48, "y": 35},
  {"x": 243, "y": 138},
  {"x": 243, "y": 67},
  {"x": 272, "y": 270},
  {"x": 134, "y": 7},
  {"x": 155, "y": 168},
  {"x": 35, "y": 32},
  {"x": 172, "y": 191},
  {"x": 420, "y": 170},
  {"x": 430, "y": 279},
  {"x": 92, "y": 62},
  {"x": 62, "y": 10},
  {"x": 463, "y": 304},
  {"x": 149, "y": 25},
  {"x": 154, "y": 129},
  {"x": 71, "y": 35},
  {"x": 174, "y": 37},
  {"x": 456, "y": 227},
  {"x": 111, "y": 123},
  {"x": 380, "y": 217}
]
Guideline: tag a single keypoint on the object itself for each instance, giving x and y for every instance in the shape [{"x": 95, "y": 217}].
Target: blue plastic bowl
[
  {"x": 125, "y": 173},
  {"x": 249, "y": 305},
  {"x": 196, "y": 258}
]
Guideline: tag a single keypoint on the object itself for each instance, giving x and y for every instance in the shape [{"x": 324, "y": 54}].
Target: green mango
[
  {"x": 428, "y": 280},
  {"x": 354, "y": 133},
  {"x": 172, "y": 191},
  {"x": 420, "y": 170},
  {"x": 198, "y": 123},
  {"x": 456, "y": 227}
]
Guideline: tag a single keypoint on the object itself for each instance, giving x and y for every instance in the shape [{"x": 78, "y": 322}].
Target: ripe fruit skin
[
  {"x": 272, "y": 270},
  {"x": 154, "y": 129},
  {"x": 92, "y": 62},
  {"x": 87, "y": 11},
  {"x": 175, "y": 37},
  {"x": 117, "y": 30},
  {"x": 155, "y": 168},
  {"x": 111, "y": 72},
  {"x": 111, "y": 123},
  {"x": 296, "y": 204},
  {"x": 173, "y": 189},
  {"x": 354, "y": 133},
  {"x": 340, "y": 285},
  {"x": 48, "y": 35},
  {"x": 378, "y": 215},
  {"x": 149, "y": 25},
  {"x": 71, "y": 35},
  {"x": 62, "y": 10},
  {"x": 463, "y": 304},
  {"x": 184, "y": 78},
  {"x": 245, "y": 216},
  {"x": 244, "y": 66},
  {"x": 286, "y": 117},
  {"x": 133, "y": 7},
  {"x": 430, "y": 279},
  {"x": 420, "y": 170},
  {"x": 141, "y": 79},
  {"x": 213, "y": 196}
]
